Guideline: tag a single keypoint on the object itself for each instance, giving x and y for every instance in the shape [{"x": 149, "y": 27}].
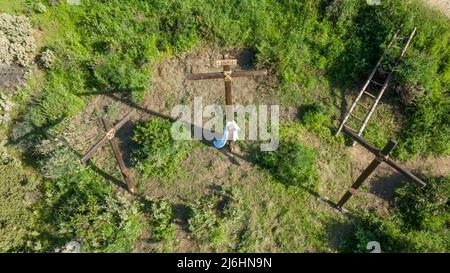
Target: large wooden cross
[
  {"x": 227, "y": 75},
  {"x": 381, "y": 156},
  {"x": 110, "y": 136}
]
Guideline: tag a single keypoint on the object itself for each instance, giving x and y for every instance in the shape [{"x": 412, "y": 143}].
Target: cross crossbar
[
  {"x": 381, "y": 156},
  {"x": 110, "y": 136},
  {"x": 106, "y": 137},
  {"x": 227, "y": 75}
]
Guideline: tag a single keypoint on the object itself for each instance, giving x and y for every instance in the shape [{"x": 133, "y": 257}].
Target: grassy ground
[{"x": 116, "y": 56}]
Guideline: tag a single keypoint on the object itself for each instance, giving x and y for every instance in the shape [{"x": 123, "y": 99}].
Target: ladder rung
[
  {"x": 377, "y": 83},
  {"x": 363, "y": 105},
  {"x": 381, "y": 70},
  {"x": 370, "y": 95},
  {"x": 350, "y": 128},
  {"x": 358, "y": 118}
]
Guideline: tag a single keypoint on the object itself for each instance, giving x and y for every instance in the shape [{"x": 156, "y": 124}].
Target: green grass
[{"x": 18, "y": 193}]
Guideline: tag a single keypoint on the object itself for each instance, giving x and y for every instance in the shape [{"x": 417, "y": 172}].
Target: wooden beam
[
  {"x": 220, "y": 75},
  {"x": 389, "y": 161},
  {"x": 228, "y": 100},
  {"x": 123, "y": 168},
  {"x": 366, "y": 173},
  {"x": 106, "y": 137}
]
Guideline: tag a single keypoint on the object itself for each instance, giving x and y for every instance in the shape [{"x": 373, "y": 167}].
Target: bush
[
  {"x": 161, "y": 221},
  {"x": 427, "y": 128},
  {"x": 6, "y": 105},
  {"x": 207, "y": 222},
  {"x": 425, "y": 208},
  {"x": 157, "y": 153},
  {"x": 116, "y": 74},
  {"x": 293, "y": 164},
  {"x": 370, "y": 227},
  {"x": 80, "y": 206},
  {"x": 419, "y": 222},
  {"x": 317, "y": 118},
  {"x": 16, "y": 40}
]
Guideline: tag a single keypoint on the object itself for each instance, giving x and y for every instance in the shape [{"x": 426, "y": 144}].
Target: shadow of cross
[
  {"x": 110, "y": 136},
  {"x": 227, "y": 75}
]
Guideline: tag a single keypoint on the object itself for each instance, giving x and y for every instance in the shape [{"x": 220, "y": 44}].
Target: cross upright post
[
  {"x": 227, "y": 75},
  {"x": 110, "y": 136},
  {"x": 381, "y": 156}
]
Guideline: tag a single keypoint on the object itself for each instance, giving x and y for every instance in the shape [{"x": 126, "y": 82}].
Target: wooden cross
[
  {"x": 381, "y": 156},
  {"x": 110, "y": 136},
  {"x": 227, "y": 75}
]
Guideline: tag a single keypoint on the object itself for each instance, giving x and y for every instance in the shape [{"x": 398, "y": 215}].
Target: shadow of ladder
[{"x": 377, "y": 72}]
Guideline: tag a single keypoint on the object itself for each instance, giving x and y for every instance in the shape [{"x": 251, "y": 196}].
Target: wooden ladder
[{"x": 378, "y": 72}]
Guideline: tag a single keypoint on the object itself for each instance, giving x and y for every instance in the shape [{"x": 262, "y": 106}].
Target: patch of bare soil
[
  {"x": 11, "y": 75},
  {"x": 170, "y": 86},
  {"x": 442, "y": 5}
]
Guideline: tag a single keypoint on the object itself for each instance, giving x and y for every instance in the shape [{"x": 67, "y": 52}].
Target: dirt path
[{"x": 442, "y": 5}]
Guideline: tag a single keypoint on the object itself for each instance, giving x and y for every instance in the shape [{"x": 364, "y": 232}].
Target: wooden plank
[
  {"x": 226, "y": 62},
  {"x": 228, "y": 102},
  {"x": 105, "y": 139},
  {"x": 389, "y": 161},
  {"x": 123, "y": 168},
  {"x": 365, "y": 174},
  {"x": 220, "y": 75}
]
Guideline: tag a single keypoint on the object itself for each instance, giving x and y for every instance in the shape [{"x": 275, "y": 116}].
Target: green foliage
[
  {"x": 292, "y": 164},
  {"x": 370, "y": 227},
  {"x": 419, "y": 222},
  {"x": 428, "y": 128},
  {"x": 425, "y": 208},
  {"x": 161, "y": 221},
  {"x": 157, "y": 153},
  {"x": 317, "y": 118},
  {"x": 118, "y": 75},
  {"x": 18, "y": 193},
  {"x": 55, "y": 159},
  {"x": 112, "y": 46},
  {"x": 80, "y": 206},
  {"x": 206, "y": 222}
]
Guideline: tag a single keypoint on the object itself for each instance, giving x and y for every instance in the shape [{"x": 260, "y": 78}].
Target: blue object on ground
[{"x": 219, "y": 143}]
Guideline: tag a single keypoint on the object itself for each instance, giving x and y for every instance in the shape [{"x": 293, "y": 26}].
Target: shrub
[
  {"x": 161, "y": 221},
  {"x": 370, "y": 227},
  {"x": 81, "y": 206},
  {"x": 428, "y": 128},
  {"x": 16, "y": 40},
  {"x": 208, "y": 217},
  {"x": 293, "y": 164},
  {"x": 6, "y": 106},
  {"x": 425, "y": 208},
  {"x": 317, "y": 118},
  {"x": 120, "y": 75},
  {"x": 18, "y": 193},
  {"x": 419, "y": 222},
  {"x": 157, "y": 153},
  {"x": 46, "y": 58},
  {"x": 56, "y": 159}
]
